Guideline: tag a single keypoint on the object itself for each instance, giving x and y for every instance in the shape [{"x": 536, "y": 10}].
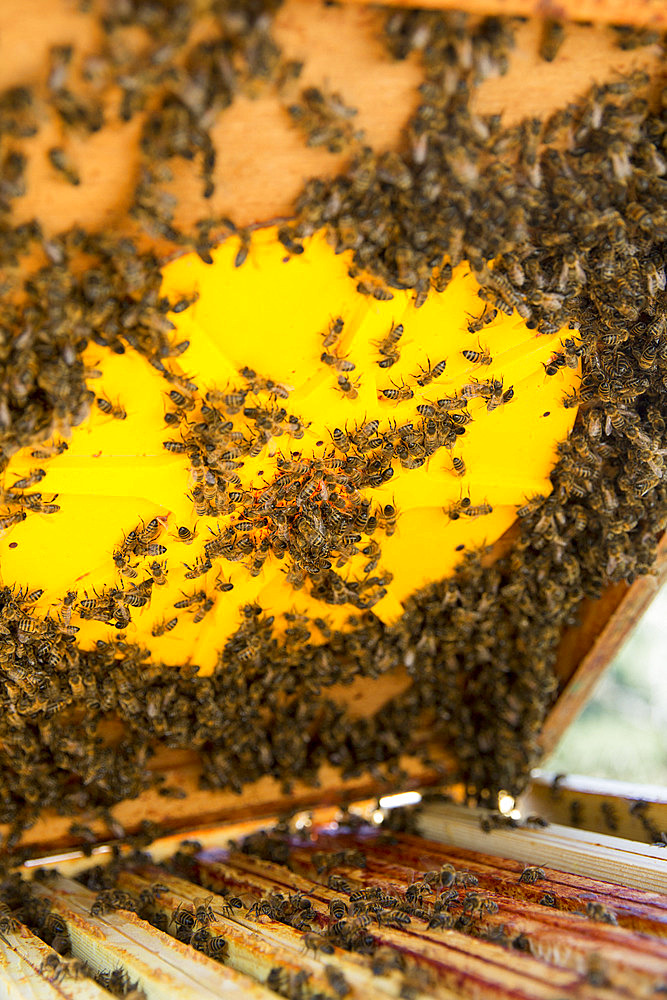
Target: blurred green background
[{"x": 622, "y": 732}]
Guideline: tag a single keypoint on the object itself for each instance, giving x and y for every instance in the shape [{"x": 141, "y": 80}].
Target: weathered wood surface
[
  {"x": 621, "y": 808},
  {"x": 639, "y": 12},
  {"x": 262, "y": 162},
  {"x": 587, "y": 649}
]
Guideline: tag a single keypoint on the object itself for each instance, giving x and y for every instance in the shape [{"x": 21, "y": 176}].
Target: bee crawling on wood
[
  {"x": 530, "y": 875},
  {"x": 184, "y": 917},
  {"x": 317, "y": 942},
  {"x": 552, "y": 37},
  {"x": 204, "y": 912}
]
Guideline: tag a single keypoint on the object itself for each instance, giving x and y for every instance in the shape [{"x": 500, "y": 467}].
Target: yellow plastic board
[{"x": 271, "y": 314}]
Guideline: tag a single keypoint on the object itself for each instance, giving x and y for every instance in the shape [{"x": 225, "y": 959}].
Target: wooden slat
[
  {"x": 607, "y": 638},
  {"x": 165, "y": 968},
  {"x": 21, "y": 956},
  {"x": 594, "y": 855},
  {"x": 600, "y": 804},
  {"x": 265, "y": 797},
  {"x": 469, "y": 967},
  {"x": 636, "y": 909},
  {"x": 639, "y": 12},
  {"x": 32, "y": 952},
  {"x": 19, "y": 981},
  {"x": 256, "y": 947},
  {"x": 556, "y": 935}
]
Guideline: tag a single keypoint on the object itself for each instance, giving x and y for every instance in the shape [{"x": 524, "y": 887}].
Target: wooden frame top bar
[{"x": 638, "y": 12}]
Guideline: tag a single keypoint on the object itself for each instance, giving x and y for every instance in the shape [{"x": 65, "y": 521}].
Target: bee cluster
[
  {"x": 571, "y": 211},
  {"x": 353, "y": 911},
  {"x": 325, "y": 120}
]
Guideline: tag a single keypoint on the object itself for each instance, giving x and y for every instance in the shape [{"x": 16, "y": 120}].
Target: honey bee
[
  {"x": 340, "y": 440},
  {"x": 429, "y": 374},
  {"x": 203, "y": 911},
  {"x": 184, "y": 402},
  {"x": 224, "y": 586},
  {"x": 551, "y": 39},
  {"x": 232, "y": 402},
  {"x": 66, "y": 607},
  {"x": 337, "y": 981},
  {"x": 175, "y": 447},
  {"x": 398, "y": 394},
  {"x": 459, "y": 507},
  {"x": 477, "y": 323},
  {"x": 387, "y": 517},
  {"x": 388, "y": 346},
  {"x": 480, "y": 357},
  {"x": 62, "y": 163},
  {"x": 7, "y": 520},
  {"x": 477, "y": 902},
  {"x": 338, "y": 909},
  {"x": 200, "y": 567},
  {"x": 332, "y": 335},
  {"x": 114, "y": 410},
  {"x": 183, "y": 916},
  {"x": 158, "y": 573},
  {"x": 205, "y": 606},
  {"x": 188, "y": 600},
  {"x": 164, "y": 626},
  {"x": 336, "y": 362},
  {"x": 153, "y": 550},
  {"x": 147, "y": 533},
  {"x": 377, "y": 291},
  {"x": 316, "y": 942},
  {"x": 29, "y": 626},
  {"x": 30, "y": 480},
  {"x": 596, "y": 911},
  {"x": 123, "y": 565},
  {"x": 186, "y": 535},
  {"x": 347, "y": 388},
  {"x": 507, "y": 299},
  {"x": 554, "y": 364},
  {"x": 50, "y": 450},
  {"x": 441, "y": 277},
  {"x": 531, "y": 875}
]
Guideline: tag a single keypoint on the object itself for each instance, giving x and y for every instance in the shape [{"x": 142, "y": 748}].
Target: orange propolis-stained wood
[
  {"x": 652, "y": 13},
  {"x": 262, "y": 163}
]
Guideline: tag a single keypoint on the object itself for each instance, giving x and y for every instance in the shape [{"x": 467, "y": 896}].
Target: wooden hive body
[
  {"x": 254, "y": 135},
  {"x": 594, "y": 923}
]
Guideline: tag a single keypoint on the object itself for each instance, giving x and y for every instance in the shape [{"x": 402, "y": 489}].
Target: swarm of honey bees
[{"x": 562, "y": 221}]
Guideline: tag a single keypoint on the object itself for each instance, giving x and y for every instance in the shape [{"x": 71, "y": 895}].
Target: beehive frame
[{"x": 179, "y": 765}]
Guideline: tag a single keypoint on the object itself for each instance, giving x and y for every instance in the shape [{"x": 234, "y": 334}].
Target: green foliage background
[{"x": 622, "y": 732}]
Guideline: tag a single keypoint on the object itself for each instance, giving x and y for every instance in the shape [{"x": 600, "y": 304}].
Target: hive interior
[{"x": 571, "y": 212}]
